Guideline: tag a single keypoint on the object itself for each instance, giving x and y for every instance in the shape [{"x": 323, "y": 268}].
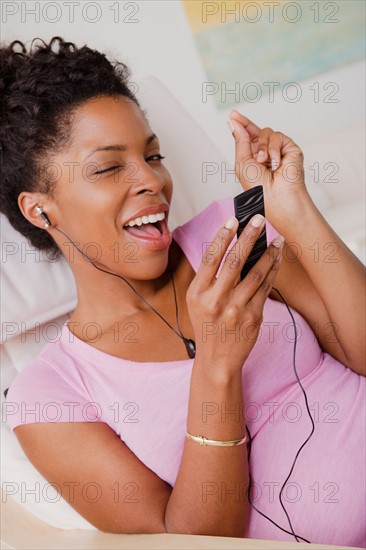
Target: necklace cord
[{"x": 175, "y": 296}]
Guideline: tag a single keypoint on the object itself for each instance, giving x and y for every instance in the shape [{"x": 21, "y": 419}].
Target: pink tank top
[{"x": 146, "y": 405}]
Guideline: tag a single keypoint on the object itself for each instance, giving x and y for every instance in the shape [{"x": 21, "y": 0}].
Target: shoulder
[{"x": 48, "y": 391}]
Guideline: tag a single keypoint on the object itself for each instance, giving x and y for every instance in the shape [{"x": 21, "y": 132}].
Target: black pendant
[{"x": 190, "y": 347}]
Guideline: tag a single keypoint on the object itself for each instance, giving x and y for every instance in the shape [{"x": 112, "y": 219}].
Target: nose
[{"x": 145, "y": 179}]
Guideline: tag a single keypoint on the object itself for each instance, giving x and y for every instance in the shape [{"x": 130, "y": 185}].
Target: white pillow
[
  {"x": 334, "y": 166},
  {"x": 200, "y": 172},
  {"x": 34, "y": 289},
  {"x": 335, "y": 176}
]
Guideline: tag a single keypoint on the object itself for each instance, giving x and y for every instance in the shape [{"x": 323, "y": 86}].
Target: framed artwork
[{"x": 251, "y": 48}]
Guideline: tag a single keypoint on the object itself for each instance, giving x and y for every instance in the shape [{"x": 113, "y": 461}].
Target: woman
[{"x": 176, "y": 352}]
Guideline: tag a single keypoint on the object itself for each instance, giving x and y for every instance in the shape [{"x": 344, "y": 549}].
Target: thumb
[{"x": 243, "y": 149}]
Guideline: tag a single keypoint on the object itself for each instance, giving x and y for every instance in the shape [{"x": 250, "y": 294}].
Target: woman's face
[{"x": 100, "y": 191}]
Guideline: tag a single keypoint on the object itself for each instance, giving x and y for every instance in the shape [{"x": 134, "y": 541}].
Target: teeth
[{"x": 152, "y": 218}]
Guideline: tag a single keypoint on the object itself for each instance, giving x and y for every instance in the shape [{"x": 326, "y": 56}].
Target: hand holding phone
[
  {"x": 220, "y": 300},
  {"x": 246, "y": 205}
]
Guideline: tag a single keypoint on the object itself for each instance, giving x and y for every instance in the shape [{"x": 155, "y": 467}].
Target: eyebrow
[{"x": 118, "y": 146}]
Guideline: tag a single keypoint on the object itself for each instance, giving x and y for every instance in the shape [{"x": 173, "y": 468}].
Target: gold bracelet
[{"x": 204, "y": 441}]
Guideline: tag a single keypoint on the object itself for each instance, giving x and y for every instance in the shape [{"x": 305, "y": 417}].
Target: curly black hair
[{"x": 40, "y": 90}]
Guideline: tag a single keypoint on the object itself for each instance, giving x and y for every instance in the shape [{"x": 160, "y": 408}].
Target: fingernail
[
  {"x": 257, "y": 220},
  {"x": 261, "y": 155},
  {"x": 279, "y": 257},
  {"x": 278, "y": 241},
  {"x": 231, "y": 126},
  {"x": 230, "y": 222},
  {"x": 273, "y": 165}
]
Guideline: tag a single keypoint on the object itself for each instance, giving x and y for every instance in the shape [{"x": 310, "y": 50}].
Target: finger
[
  {"x": 263, "y": 291},
  {"x": 243, "y": 146},
  {"x": 275, "y": 144},
  {"x": 214, "y": 254},
  {"x": 238, "y": 254},
  {"x": 253, "y": 281},
  {"x": 246, "y": 135},
  {"x": 252, "y": 129},
  {"x": 270, "y": 143},
  {"x": 263, "y": 141}
]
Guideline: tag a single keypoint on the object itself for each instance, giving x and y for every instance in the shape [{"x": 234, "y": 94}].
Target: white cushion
[
  {"x": 335, "y": 176},
  {"x": 348, "y": 221},
  {"x": 336, "y": 160},
  {"x": 35, "y": 290},
  {"x": 200, "y": 172}
]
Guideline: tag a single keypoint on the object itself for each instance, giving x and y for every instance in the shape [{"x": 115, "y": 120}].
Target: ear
[{"x": 28, "y": 202}]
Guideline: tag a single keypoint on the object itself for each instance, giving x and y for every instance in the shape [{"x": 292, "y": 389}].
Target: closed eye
[
  {"x": 108, "y": 169},
  {"x": 153, "y": 157}
]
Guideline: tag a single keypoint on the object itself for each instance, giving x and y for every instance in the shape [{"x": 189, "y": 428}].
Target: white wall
[{"x": 160, "y": 42}]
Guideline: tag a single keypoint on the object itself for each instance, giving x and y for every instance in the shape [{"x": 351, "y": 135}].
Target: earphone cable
[
  {"x": 307, "y": 408},
  {"x": 120, "y": 277},
  {"x": 251, "y": 502},
  {"x": 297, "y": 537}
]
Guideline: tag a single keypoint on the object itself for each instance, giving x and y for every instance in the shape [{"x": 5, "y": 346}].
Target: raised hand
[{"x": 271, "y": 159}]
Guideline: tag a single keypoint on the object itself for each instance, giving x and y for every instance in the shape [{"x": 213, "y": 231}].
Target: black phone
[{"x": 246, "y": 205}]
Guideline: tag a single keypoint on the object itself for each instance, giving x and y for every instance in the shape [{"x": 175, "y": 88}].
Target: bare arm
[
  {"x": 209, "y": 496},
  {"x": 98, "y": 475},
  {"x": 105, "y": 482},
  {"x": 327, "y": 284}
]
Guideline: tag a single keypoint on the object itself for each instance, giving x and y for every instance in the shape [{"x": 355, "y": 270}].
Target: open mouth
[{"x": 152, "y": 230}]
